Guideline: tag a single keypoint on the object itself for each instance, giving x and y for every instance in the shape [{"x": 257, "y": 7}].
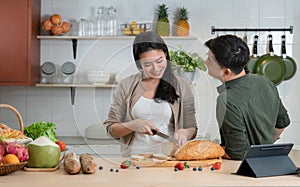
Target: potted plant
[{"x": 187, "y": 63}]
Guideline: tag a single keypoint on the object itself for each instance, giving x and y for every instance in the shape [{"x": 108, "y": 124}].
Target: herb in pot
[{"x": 188, "y": 62}]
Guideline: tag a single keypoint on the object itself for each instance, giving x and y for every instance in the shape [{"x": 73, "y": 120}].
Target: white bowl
[{"x": 98, "y": 76}]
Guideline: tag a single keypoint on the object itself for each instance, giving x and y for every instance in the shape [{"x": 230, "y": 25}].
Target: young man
[{"x": 249, "y": 109}]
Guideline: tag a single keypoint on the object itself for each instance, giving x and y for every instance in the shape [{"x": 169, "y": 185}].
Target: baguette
[
  {"x": 199, "y": 150},
  {"x": 71, "y": 163},
  {"x": 168, "y": 148},
  {"x": 88, "y": 164}
]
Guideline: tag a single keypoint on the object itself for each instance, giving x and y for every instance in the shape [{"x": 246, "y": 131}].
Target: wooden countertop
[{"x": 153, "y": 176}]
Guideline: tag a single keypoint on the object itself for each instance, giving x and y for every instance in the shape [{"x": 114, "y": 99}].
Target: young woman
[{"x": 154, "y": 98}]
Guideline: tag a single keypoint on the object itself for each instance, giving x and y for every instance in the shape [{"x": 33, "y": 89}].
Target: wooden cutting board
[
  {"x": 42, "y": 169},
  {"x": 171, "y": 163}
]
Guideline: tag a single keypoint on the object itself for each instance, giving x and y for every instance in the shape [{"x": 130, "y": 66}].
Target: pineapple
[
  {"x": 183, "y": 27},
  {"x": 163, "y": 25}
]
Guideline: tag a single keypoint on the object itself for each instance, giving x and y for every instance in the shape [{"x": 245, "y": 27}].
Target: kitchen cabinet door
[{"x": 19, "y": 47}]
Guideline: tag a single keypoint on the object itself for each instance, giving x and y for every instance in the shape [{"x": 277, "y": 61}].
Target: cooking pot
[
  {"x": 253, "y": 58},
  {"x": 290, "y": 64},
  {"x": 271, "y": 65}
]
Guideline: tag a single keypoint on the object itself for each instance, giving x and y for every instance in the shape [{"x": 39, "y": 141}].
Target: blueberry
[
  {"x": 212, "y": 169},
  {"x": 111, "y": 170},
  {"x": 138, "y": 167},
  {"x": 188, "y": 166},
  {"x": 175, "y": 169},
  {"x": 194, "y": 169},
  {"x": 117, "y": 170},
  {"x": 100, "y": 167},
  {"x": 199, "y": 168}
]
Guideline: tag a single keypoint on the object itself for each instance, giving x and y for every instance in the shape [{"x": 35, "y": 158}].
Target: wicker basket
[
  {"x": 11, "y": 168},
  {"x": 17, "y": 114}
]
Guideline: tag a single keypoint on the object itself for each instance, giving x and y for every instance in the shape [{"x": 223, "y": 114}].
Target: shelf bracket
[
  {"x": 73, "y": 89},
  {"x": 74, "y": 45}
]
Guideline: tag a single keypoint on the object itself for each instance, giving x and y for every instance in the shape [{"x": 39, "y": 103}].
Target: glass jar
[
  {"x": 67, "y": 72},
  {"x": 49, "y": 73},
  {"x": 83, "y": 27}
]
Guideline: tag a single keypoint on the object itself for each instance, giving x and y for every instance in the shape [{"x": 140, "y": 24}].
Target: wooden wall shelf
[{"x": 75, "y": 39}]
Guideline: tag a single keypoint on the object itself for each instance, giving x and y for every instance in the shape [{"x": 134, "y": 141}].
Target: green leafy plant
[
  {"x": 187, "y": 61},
  {"x": 36, "y": 130}
]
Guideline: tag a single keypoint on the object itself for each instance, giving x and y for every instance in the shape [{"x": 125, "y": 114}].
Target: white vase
[{"x": 190, "y": 76}]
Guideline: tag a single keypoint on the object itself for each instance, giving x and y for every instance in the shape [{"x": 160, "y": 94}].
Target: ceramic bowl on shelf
[{"x": 98, "y": 76}]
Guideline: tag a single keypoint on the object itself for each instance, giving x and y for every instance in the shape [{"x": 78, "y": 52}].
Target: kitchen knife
[{"x": 165, "y": 136}]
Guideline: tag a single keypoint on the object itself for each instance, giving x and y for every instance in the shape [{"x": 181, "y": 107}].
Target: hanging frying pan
[
  {"x": 271, "y": 65},
  {"x": 253, "y": 58},
  {"x": 290, "y": 64}
]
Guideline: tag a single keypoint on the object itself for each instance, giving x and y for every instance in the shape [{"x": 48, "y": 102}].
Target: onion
[
  {"x": 56, "y": 29},
  {"x": 56, "y": 19},
  {"x": 65, "y": 26},
  {"x": 46, "y": 25}
]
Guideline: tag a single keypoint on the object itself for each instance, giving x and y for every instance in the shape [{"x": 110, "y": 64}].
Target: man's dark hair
[{"x": 230, "y": 51}]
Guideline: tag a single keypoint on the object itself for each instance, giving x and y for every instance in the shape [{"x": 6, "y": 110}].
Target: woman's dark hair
[
  {"x": 148, "y": 41},
  {"x": 230, "y": 51}
]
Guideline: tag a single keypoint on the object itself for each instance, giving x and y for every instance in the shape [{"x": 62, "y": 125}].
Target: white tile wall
[{"x": 91, "y": 106}]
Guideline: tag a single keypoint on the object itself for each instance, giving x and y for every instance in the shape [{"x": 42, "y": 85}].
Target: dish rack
[{"x": 6, "y": 169}]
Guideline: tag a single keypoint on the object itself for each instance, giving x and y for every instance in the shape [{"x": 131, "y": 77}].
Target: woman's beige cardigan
[{"x": 127, "y": 94}]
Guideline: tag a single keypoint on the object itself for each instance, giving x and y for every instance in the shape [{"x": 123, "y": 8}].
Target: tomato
[
  {"x": 62, "y": 145},
  {"x": 217, "y": 165}
]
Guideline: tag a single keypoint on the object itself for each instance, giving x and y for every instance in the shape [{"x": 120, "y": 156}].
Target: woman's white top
[{"x": 160, "y": 114}]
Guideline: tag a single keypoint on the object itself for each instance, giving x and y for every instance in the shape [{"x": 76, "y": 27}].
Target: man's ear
[{"x": 227, "y": 73}]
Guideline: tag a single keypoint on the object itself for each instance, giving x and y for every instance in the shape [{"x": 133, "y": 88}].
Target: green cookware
[
  {"x": 290, "y": 64},
  {"x": 253, "y": 58},
  {"x": 271, "y": 65}
]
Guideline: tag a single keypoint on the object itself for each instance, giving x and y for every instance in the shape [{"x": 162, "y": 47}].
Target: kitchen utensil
[
  {"x": 253, "y": 59},
  {"x": 271, "y": 65},
  {"x": 148, "y": 162},
  {"x": 164, "y": 136},
  {"x": 290, "y": 64}
]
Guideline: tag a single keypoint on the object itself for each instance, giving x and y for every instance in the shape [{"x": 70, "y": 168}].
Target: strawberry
[
  {"x": 125, "y": 164},
  {"x": 180, "y": 165},
  {"x": 217, "y": 165}
]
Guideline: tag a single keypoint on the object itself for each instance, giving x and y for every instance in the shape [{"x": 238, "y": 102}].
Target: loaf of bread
[
  {"x": 88, "y": 164},
  {"x": 71, "y": 163},
  {"x": 169, "y": 148},
  {"x": 199, "y": 150}
]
